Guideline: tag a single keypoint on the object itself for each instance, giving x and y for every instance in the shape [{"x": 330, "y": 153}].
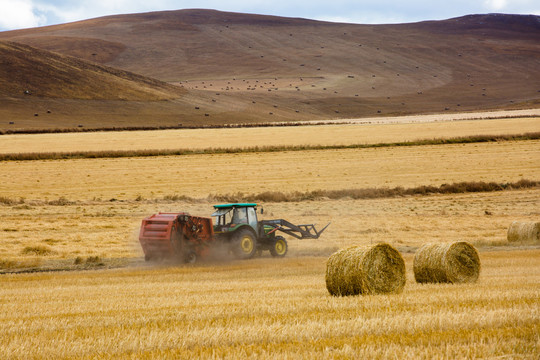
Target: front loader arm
[{"x": 298, "y": 231}]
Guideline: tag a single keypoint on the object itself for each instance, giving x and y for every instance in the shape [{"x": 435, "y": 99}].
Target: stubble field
[
  {"x": 115, "y": 306},
  {"x": 265, "y": 308},
  {"x": 198, "y": 176},
  {"x": 371, "y": 131}
]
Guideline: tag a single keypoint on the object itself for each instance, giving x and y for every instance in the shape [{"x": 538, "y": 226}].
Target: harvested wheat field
[
  {"x": 198, "y": 176},
  {"x": 268, "y": 309},
  {"x": 78, "y": 219},
  {"x": 53, "y": 235},
  {"x": 369, "y": 132}
]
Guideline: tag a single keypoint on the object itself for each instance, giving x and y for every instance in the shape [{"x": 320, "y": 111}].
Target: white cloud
[
  {"x": 338, "y": 19},
  {"x": 17, "y": 14},
  {"x": 63, "y": 11},
  {"x": 512, "y": 7},
  {"x": 495, "y": 5},
  {"x": 371, "y": 18}
]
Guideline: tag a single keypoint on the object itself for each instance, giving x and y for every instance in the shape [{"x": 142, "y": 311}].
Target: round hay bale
[
  {"x": 456, "y": 262},
  {"x": 524, "y": 232},
  {"x": 373, "y": 269}
]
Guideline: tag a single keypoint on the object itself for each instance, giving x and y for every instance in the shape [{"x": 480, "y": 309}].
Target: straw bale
[
  {"x": 373, "y": 269},
  {"x": 456, "y": 262},
  {"x": 524, "y": 232}
]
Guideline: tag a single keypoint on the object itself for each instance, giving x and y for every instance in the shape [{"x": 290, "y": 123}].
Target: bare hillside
[
  {"x": 30, "y": 71},
  {"x": 253, "y": 68}
]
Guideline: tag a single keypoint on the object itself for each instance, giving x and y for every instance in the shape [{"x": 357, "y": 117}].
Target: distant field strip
[
  {"x": 271, "y": 137},
  {"x": 199, "y": 176},
  {"x": 297, "y": 196},
  {"x": 257, "y": 149}
]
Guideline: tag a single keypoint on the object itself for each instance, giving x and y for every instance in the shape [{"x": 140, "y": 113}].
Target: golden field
[
  {"x": 388, "y": 131},
  {"x": 197, "y": 176},
  {"x": 109, "y": 230},
  {"x": 113, "y": 305},
  {"x": 266, "y": 308}
]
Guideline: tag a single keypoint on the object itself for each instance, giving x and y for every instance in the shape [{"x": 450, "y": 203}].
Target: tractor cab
[{"x": 230, "y": 217}]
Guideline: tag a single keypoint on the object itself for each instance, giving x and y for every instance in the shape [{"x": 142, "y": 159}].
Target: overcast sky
[{"x": 17, "y": 14}]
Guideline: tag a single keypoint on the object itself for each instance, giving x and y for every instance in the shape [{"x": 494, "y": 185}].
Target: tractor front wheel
[
  {"x": 279, "y": 247},
  {"x": 244, "y": 244}
]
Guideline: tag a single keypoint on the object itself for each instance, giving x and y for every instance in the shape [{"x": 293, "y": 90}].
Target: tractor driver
[{"x": 240, "y": 216}]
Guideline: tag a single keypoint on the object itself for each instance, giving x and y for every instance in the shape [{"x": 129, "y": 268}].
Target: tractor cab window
[
  {"x": 223, "y": 216},
  {"x": 252, "y": 217},
  {"x": 236, "y": 215},
  {"x": 240, "y": 216}
]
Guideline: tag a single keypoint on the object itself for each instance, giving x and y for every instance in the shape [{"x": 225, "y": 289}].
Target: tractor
[{"x": 235, "y": 227}]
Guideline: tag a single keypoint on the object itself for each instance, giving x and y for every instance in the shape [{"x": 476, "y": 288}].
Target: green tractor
[{"x": 237, "y": 224}]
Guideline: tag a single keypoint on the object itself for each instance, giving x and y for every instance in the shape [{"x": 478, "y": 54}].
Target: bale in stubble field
[
  {"x": 524, "y": 231},
  {"x": 456, "y": 262},
  {"x": 373, "y": 269}
]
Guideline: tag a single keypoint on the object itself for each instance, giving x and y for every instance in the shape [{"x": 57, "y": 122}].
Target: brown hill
[
  {"x": 30, "y": 71},
  {"x": 246, "y": 68}
]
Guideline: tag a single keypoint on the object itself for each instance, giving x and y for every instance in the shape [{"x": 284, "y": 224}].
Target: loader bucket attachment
[{"x": 307, "y": 231}]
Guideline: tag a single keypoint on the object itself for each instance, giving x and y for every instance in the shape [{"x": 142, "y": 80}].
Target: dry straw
[
  {"x": 374, "y": 269},
  {"x": 456, "y": 262},
  {"x": 524, "y": 232}
]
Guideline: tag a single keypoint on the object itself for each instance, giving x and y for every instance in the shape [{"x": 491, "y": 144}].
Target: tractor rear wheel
[
  {"x": 244, "y": 244},
  {"x": 279, "y": 247}
]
